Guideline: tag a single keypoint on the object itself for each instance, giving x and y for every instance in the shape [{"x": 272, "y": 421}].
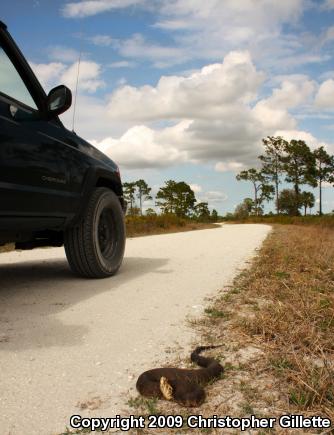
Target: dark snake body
[{"x": 187, "y": 384}]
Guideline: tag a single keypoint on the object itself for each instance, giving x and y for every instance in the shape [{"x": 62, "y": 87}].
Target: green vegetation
[
  {"x": 143, "y": 193},
  {"x": 163, "y": 223},
  {"x": 272, "y": 165},
  {"x": 295, "y": 163},
  {"x": 146, "y": 406},
  {"x": 137, "y": 189},
  {"x": 176, "y": 200},
  {"x": 78, "y": 431},
  {"x": 213, "y": 312},
  {"x": 262, "y": 190}
]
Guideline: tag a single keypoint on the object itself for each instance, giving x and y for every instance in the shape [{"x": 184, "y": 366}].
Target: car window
[{"x": 11, "y": 83}]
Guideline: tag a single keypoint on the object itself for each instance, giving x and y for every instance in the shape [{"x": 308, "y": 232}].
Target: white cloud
[
  {"x": 215, "y": 117},
  {"x": 325, "y": 96},
  {"x": 48, "y": 74},
  {"x": 140, "y": 147},
  {"x": 232, "y": 20},
  {"x": 55, "y": 73},
  {"x": 273, "y": 111},
  {"x": 87, "y": 8},
  {"x": 307, "y": 137},
  {"x": 235, "y": 136},
  {"x": 89, "y": 78},
  {"x": 216, "y": 113},
  {"x": 214, "y": 196},
  {"x": 210, "y": 29},
  {"x": 196, "y": 188},
  {"x": 122, "y": 64},
  {"x": 298, "y": 135},
  {"x": 63, "y": 54},
  {"x": 214, "y": 27},
  {"x": 229, "y": 166},
  {"x": 327, "y": 75},
  {"x": 101, "y": 40},
  {"x": 296, "y": 60},
  {"x": 328, "y": 4},
  {"x": 138, "y": 47},
  {"x": 121, "y": 81},
  {"x": 328, "y": 36},
  {"x": 204, "y": 94},
  {"x": 91, "y": 120},
  {"x": 187, "y": 142},
  {"x": 265, "y": 12},
  {"x": 171, "y": 24},
  {"x": 292, "y": 93}
]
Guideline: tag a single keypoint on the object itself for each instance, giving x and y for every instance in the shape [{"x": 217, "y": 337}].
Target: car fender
[{"x": 97, "y": 177}]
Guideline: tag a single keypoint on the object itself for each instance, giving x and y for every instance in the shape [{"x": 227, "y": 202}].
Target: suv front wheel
[{"x": 95, "y": 246}]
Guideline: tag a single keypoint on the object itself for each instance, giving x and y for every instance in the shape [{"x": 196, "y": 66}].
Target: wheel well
[
  {"x": 115, "y": 187},
  {"x": 104, "y": 182}
]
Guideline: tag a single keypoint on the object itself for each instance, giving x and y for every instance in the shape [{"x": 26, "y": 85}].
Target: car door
[{"x": 34, "y": 175}]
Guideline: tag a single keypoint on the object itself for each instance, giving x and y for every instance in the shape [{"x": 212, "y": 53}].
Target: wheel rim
[{"x": 106, "y": 234}]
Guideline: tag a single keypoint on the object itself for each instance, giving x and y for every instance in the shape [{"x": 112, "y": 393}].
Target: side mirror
[{"x": 59, "y": 100}]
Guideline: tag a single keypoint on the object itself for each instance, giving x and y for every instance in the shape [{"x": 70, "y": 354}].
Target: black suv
[{"x": 55, "y": 188}]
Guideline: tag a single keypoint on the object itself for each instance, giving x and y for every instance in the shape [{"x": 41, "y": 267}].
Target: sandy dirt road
[{"x": 66, "y": 343}]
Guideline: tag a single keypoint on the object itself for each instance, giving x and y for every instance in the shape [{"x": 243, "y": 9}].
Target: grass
[
  {"x": 160, "y": 224},
  {"x": 247, "y": 409},
  {"x": 78, "y": 431},
  {"x": 213, "y": 312},
  {"x": 7, "y": 248},
  {"x": 143, "y": 405},
  {"x": 290, "y": 291},
  {"x": 322, "y": 221}
]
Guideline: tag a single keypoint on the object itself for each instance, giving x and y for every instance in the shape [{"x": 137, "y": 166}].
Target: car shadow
[{"x": 33, "y": 295}]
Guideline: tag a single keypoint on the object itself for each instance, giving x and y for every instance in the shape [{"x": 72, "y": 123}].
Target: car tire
[{"x": 95, "y": 246}]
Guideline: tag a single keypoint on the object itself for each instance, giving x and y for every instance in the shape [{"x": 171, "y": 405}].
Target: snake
[{"x": 183, "y": 386}]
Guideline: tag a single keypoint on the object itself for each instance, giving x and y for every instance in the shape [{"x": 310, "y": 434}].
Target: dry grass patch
[
  {"x": 7, "y": 247},
  {"x": 294, "y": 275},
  {"x": 161, "y": 224},
  {"x": 321, "y": 221},
  {"x": 284, "y": 306}
]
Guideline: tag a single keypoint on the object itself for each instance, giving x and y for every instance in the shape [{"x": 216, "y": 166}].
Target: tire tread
[{"x": 79, "y": 241}]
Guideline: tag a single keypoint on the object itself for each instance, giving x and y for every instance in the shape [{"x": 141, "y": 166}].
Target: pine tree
[
  {"x": 324, "y": 170},
  {"x": 129, "y": 190},
  {"x": 143, "y": 193},
  {"x": 176, "y": 197},
  {"x": 272, "y": 165},
  {"x": 262, "y": 190},
  {"x": 307, "y": 200},
  {"x": 299, "y": 166}
]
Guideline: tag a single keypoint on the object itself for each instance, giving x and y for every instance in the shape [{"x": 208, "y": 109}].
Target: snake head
[{"x": 166, "y": 389}]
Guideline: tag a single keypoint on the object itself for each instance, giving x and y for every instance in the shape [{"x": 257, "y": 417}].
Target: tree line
[
  {"x": 173, "y": 198},
  {"x": 291, "y": 161}
]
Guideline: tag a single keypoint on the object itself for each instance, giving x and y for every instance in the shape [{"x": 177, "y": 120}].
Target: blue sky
[{"x": 186, "y": 89}]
